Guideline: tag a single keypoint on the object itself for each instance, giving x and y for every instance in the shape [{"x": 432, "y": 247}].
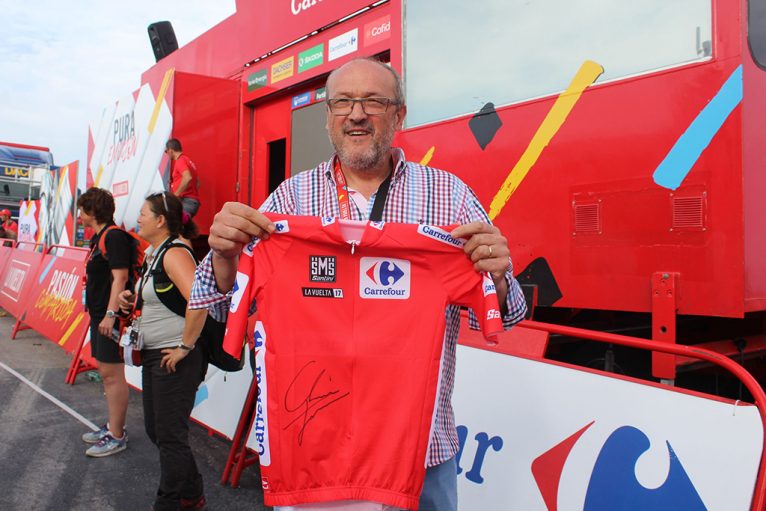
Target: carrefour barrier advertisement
[{"x": 541, "y": 437}]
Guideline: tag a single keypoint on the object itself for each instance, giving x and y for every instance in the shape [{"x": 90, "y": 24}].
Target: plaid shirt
[{"x": 418, "y": 195}]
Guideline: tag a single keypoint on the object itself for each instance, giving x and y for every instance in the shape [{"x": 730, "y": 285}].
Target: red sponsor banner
[
  {"x": 18, "y": 277},
  {"x": 282, "y": 21},
  {"x": 5, "y": 254},
  {"x": 120, "y": 189},
  {"x": 377, "y": 30},
  {"x": 54, "y": 308}
]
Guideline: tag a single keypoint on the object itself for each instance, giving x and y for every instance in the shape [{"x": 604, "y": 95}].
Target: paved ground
[{"x": 42, "y": 460}]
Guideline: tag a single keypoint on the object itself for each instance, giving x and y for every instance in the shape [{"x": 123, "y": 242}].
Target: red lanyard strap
[{"x": 344, "y": 206}]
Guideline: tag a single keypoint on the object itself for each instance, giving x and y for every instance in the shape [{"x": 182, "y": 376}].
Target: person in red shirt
[
  {"x": 8, "y": 228},
  {"x": 184, "y": 182}
]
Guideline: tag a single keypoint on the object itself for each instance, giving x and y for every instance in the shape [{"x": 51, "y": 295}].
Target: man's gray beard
[
  {"x": 361, "y": 161},
  {"x": 370, "y": 158}
]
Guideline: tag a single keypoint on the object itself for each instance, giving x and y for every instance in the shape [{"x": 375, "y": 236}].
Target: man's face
[{"x": 362, "y": 141}]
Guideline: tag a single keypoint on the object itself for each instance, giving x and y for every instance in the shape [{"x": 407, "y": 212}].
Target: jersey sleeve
[
  {"x": 256, "y": 266},
  {"x": 467, "y": 287},
  {"x": 118, "y": 249}
]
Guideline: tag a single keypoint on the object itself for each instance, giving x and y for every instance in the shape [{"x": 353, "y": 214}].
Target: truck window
[
  {"x": 459, "y": 55},
  {"x": 756, "y": 31}
]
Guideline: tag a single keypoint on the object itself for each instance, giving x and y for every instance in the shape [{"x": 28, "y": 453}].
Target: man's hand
[
  {"x": 488, "y": 249},
  {"x": 234, "y": 226},
  {"x": 486, "y": 246}
]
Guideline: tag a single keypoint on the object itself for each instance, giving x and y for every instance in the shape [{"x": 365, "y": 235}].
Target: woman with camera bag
[
  {"x": 108, "y": 269},
  {"x": 172, "y": 369}
]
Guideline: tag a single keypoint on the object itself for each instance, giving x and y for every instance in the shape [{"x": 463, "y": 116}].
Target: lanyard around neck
[{"x": 344, "y": 205}]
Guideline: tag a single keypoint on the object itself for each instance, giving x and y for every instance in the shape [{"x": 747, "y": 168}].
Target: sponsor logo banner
[
  {"x": 320, "y": 94},
  {"x": 377, "y": 30},
  {"x": 301, "y": 99},
  {"x": 343, "y": 44},
  {"x": 322, "y": 268},
  {"x": 311, "y": 58},
  {"x": 257, "y": 80},
  {"x": 384, "y": 279},
  {"x": 120, "y": 189},
  {"x": 283, "y": 69}
]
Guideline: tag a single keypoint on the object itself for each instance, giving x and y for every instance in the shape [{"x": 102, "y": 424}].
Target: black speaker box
[{"x": 163, "y": 39}]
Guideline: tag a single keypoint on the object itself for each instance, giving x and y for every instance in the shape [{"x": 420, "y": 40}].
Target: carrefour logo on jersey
[
  {"x": 385, "y": 279},
  {"x": 238, "y": 291},
  {"x": 440, "y": 235},
  {"x": 281, "y": 227}
]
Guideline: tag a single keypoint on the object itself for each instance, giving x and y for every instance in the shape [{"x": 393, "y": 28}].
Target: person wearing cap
[{"x": 8, "y": 228}]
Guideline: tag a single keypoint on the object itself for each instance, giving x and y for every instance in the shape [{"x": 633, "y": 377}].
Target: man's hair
[
  {"x": 174, "y": 145},
  {"x": 398, "y": 85},
  {"x": 98, "y": 203}
]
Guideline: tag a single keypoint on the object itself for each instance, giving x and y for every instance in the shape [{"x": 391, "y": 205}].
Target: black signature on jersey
[{"x": 302, "y": 397}]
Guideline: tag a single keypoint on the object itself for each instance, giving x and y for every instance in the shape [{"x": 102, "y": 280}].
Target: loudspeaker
[{"x": 163, "y": 39}]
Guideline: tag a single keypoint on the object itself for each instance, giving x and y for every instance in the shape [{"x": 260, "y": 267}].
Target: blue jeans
[{"x": 440, "y": 488}]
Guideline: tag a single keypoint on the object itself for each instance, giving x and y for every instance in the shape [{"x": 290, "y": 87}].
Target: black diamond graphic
[{"x": 484, "y": 125}]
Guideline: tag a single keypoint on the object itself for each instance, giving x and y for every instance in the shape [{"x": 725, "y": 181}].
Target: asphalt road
[{"x": 42, "y": 458}]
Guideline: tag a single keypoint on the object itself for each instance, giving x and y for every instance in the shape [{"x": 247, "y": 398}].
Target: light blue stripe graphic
[
  {"x": 44, "y": 273},
  {"x": 202, "y": 394},
  {"x": 687, "y": 150}
]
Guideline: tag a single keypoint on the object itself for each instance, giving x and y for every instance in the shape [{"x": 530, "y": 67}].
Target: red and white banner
[
  {"x": 126, "y": 147},
  {"x": 54, "y": 308},
  {"x": 18, "y": 277}
]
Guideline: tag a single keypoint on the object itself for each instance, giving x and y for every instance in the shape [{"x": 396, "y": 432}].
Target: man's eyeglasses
[{"x": 370, "y": 106}]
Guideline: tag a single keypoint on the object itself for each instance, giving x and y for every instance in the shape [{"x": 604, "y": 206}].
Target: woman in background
[
  {"x": 172, "y": 367},
  {"x": 107, "y": 275}
]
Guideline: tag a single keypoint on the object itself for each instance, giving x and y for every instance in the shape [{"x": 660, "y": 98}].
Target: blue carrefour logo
[
  {"x": 388, "y": 273},
  {"x": 613, "y": 485}
]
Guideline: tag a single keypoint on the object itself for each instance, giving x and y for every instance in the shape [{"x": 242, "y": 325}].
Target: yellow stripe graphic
[
  {"x": 427, "y": 158},
  {"x": 62, "y": 177},
  {"x": 65, "y": 337},
  {"x": 98, "y": 175},
  {"x": 160, "y": 99},
  {"x": 586, "y": 75}
]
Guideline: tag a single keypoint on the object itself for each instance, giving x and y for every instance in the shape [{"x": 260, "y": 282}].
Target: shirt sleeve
[
  {"x": 515, "y": 305},
  {"x": 205, "y": 294},
  {"x": 118, "y": 249}
]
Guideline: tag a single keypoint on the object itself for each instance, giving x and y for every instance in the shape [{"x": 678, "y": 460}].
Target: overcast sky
[{"x": 62, "y": 62}]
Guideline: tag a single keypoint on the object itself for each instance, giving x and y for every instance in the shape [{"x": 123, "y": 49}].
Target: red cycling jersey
[{"x": 349, "y": 359}]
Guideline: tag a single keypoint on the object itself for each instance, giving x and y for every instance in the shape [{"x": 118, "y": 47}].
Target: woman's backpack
[{"x": 212, "y": 333}]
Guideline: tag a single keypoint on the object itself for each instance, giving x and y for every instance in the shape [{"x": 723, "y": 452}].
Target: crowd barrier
[
  {"x": 534, "y": 434},
  {"x": 42, "y": 289}
]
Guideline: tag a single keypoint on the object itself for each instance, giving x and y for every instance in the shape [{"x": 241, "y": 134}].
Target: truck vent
[
  {"x": 688, "y": 212},
  {"x": 587, "y": 218}
]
